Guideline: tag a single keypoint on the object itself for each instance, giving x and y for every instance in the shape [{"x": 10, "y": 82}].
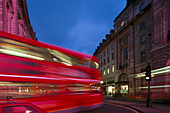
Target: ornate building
[
  {"x": 140, "y": 36},
  {"x": 14, "y": 18}
]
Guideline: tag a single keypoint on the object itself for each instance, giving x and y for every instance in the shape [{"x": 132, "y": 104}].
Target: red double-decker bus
[{"x": 36, "y": 77}]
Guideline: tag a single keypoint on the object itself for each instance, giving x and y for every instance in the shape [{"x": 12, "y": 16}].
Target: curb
[{"x": 126, "y": 106}]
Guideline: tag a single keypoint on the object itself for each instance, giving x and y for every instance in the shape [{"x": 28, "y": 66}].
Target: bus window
[
  {"x": 16, "y": 48},
  {"x": 94, "y": 65},
  {"x": 25, "y": 89},
  {"x": 63, "y": 58}
]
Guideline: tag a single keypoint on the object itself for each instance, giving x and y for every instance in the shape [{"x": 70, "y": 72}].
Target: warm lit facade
[
  {"x": 14, "y": 18},
  {"x": 140, "y": 36}
]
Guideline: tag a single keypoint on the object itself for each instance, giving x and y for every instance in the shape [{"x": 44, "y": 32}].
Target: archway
[{"x": 122, "y": 86}]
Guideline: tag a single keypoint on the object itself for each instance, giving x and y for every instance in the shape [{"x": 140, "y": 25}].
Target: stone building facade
[
  {"x": 140, "y": 36},
  {"x": 14, "y": 18}
]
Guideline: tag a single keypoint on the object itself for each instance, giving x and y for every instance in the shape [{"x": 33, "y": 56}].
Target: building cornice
[{"x": 23, "y": 6}]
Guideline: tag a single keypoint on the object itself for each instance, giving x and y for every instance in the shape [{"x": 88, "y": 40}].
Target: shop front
[
  {"x": 122, "y": 89},
  {"x": 111, "y": 90}
]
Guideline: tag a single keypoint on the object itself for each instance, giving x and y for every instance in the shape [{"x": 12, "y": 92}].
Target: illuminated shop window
[{"x": 124, "y": 89}]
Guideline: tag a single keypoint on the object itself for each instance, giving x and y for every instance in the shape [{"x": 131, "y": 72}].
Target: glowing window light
[
  {"x": 19, "y": 54},
  {"x": 108, "y": 71},
  {"x": 104, "y": 72},
  {"x": 113, "y": 68}
]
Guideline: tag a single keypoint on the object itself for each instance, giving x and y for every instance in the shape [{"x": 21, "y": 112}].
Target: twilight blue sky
[{"x": 74, "y": 24}]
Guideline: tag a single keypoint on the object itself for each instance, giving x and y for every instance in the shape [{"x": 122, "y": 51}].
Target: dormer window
[
  {"x": 122, "y": 23},
  {"x": 141, "y": 7}
]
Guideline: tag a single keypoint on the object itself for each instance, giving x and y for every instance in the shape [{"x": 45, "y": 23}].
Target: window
[
  {"x": 108, "y": 70},
  {"x": 141, "y": 7},
  {"x": 108, "y": 59},
  {"x": 112, "y": 56},
  {"x": 142, "y": 39},
  {"x": 142, "y": 56},
  {"x": 26, "y": 89},
  {"x": 101, "y": 56},
  {"x": 108, "y": 50},
  {"x": 101, "y": 63},
  {"x": 19, "y": 16},
  {"x": 113, "y": 68},
  {"x": 104, "y": 72},
  {"x": 122, "y": 23},
  {"x": 125, "y": 40},
  {"x": 104, "y": 61},
  {"x": 112, "y": 47},
  {"x": 168, "y": 35},
  {"x": 104, "y": 53},
  {"x": 142, "y": 25},
  {"x": 126, "y": 53}
]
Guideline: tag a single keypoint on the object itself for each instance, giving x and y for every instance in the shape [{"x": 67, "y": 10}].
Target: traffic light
[{"x": 148, "y": 73}]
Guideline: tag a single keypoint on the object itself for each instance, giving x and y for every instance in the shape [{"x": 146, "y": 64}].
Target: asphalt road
[{"x": 112, "y": 108}]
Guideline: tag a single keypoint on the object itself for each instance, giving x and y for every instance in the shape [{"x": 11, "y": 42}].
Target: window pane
[
  {"x": 141, "y": 7},
  {"x": 112, "y": 46},
  {"x": 126, "y": 53},
  {"x": 143, "y": 56},
  {"x": 113, "y": 68},
  {"x": 108, "y": 50},
  {"x": 142, "y": 25},
  {"x": 108, "y": 70},
  {"x": 108, "y": 59},
  {"x": 26, "y": 89},
  {"x": 112, "y": 56},
  {"x": 142, "y": 39}
]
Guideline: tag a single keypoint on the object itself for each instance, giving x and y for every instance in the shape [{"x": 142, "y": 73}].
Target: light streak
[
  {"x": 76, "y": 79},
  {"x": 154, "y": 72},
  {"x": 19, "y": 54},
  {"x": 155, "y": 86}
]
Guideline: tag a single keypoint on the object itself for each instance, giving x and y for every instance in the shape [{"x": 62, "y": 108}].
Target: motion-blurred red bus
[{"x": 36, "y": 77}]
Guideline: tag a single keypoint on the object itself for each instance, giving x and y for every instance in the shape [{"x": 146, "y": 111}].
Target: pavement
[{"x": 139, "y": 106}]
